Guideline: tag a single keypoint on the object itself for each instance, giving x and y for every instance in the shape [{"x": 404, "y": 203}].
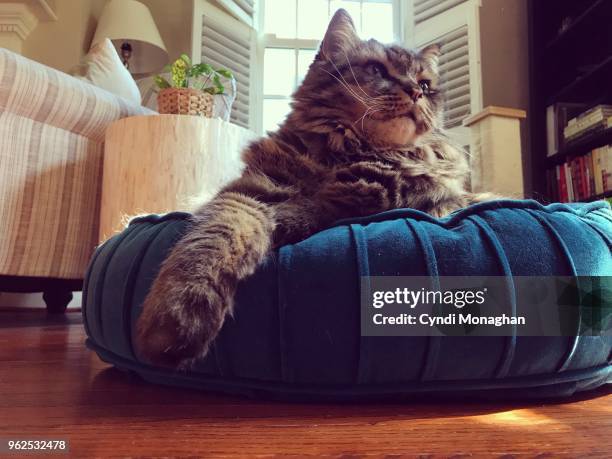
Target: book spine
[
  {"x": 606, "y": 169},
  {"x": 562, "y": 183},
  {"x": 575, "y": 174},
  {"x": 597, "y": 178},
  {"x": 552, "y": 184},
  {"x": 583, "y": 123},
  {"x": 591, "y": 130},
  {"x": 584, "y": 178},
  {"x": 589, "y": 173},
  {"x": 568, "y": 183},
  {"x": 551, "y": 131}
]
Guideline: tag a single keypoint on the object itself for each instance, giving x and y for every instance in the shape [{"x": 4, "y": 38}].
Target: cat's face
[{"x": 387, "y": 95}]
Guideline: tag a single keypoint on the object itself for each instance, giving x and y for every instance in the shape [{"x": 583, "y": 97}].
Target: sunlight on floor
[{"x": 524, "y": 418}]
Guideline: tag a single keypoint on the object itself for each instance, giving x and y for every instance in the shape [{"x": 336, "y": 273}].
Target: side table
[{"x": 164, "y": 163}]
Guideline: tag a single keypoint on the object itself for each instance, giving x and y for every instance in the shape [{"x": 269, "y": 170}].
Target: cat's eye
[
  {"x": 376, "y": 69},
  {"x": 425, "y": 86}
]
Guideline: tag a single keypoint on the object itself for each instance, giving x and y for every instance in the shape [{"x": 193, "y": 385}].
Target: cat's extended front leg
[
  {"x": 230, "y": 236},
  {"x": 193, "y": 292}
]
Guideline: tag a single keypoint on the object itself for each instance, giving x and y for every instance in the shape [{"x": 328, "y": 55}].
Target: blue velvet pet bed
[{"x": 296, "y": 332}]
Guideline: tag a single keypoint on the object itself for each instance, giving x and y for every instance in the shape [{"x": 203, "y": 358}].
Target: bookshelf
[
  {"x": 568, "y": 64},
  {"x": 577, "y": 147}
]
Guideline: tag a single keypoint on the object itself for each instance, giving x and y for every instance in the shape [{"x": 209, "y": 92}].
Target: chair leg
[{"x": 57, "y": 299}]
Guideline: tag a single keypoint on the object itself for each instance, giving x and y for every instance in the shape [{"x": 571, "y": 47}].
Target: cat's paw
[{"x": 179, "y": 322}]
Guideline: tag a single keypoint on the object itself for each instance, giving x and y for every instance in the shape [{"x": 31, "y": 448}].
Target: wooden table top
[{"x": 51, "y": 386}]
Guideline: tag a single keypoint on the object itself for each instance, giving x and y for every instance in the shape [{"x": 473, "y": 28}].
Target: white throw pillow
[
  {"x": 102, "y": 67},
  {"x": 148, "y": 91}
]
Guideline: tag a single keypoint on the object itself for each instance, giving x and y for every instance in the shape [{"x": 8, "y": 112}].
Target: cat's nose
[{"x": 415, "y": 94}]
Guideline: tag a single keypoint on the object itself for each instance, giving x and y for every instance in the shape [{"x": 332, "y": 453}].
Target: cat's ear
[
  {"x": 340, "y": 36},
  {"x": 431, "y": 54}
]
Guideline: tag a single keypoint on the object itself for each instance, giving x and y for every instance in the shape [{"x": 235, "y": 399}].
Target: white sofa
[{"x": 51, "y": 145}]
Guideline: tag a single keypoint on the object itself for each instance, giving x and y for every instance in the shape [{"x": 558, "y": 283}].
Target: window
[{"x": 292, "y": 33}]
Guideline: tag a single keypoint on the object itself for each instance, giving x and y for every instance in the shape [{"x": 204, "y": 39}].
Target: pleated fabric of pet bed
[{"x": 296, "y": 326}]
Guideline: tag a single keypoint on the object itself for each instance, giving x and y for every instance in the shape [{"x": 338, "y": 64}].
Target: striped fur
[{"x": 364, "y": 136}]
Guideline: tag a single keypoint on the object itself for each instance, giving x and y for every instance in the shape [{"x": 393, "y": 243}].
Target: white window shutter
[
  {"x": 225, "y": 41},
  {"x": 425, "y": 9},
  {"x": 455, "y": 74},
  {"x": 244, "y": 10},
  {"x": 454, "y": 24},
  {"x": 222, "y": 47}
]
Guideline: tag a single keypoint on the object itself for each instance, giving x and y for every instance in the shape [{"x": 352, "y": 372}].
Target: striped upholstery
[{"x": 52, "y": 130}]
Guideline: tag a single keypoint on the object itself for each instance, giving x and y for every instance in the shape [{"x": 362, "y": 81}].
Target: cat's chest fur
[{"x": 416, "y": 178}]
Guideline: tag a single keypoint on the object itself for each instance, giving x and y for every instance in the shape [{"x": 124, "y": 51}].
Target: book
[
  {"x": 598, "y": 155},
  {"x": 606, "y": 170},
  {"x": 591, "y": 130},
  {"x": 552, "y": 139},
  {"x": 597, "y": 110},
  {"x": 584, "y": 180},
  {"x": 563, "y": 195},
  {"x": 575, "y": 188},
  {"x": 568, "y": 182},
  {"x": 581, "y": 178},
  {"x": 557, "y": 117},
  {"x": 577, "y": 129},
  {"x": 578, "y": 183},
  {"x": 588, "y": 159},
  {"x": 585, "y": 120}
]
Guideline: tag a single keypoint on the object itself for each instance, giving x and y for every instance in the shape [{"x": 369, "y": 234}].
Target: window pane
[
  {"x": 279, "y": 71},
  {"x": 312, "y": 18},
  {"x": 280, "y": 18},
  {"x": 352, "y": 6},
  {"x": 305, "y": 58},
  {"x": 378, "y": 22},
  {"x": 274, "y": 111}
]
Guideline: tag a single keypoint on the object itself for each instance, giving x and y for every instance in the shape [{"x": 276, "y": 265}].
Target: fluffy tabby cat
[{"x": 364, "y": 135}]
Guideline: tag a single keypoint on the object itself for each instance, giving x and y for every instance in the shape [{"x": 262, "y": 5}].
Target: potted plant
[{"x": 194, "y": 89}]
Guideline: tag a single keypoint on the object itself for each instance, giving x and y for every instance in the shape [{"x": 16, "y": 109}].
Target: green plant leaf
[
  {"x": 186, "y": 59},
  {"x": 206, "y": 68},
  {"x": 161, "y": 82},
  {"x": 218, "y": 85},
  {"x": 200, "y": 69},
  {"x": 226, "y": 73}
]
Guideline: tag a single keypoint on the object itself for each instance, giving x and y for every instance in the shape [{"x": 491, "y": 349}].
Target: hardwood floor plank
[{"x": 52, "y": 386}]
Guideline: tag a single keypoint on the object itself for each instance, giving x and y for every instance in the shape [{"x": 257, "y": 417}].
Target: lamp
[{"x": 130, "y": 26}]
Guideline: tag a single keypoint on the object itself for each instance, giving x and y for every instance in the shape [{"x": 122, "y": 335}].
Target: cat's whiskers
[
  {"x": 363, "y": 118},
  {"x": 348, "y": 61},
  {"x": 344, "y": 79},
  {"x": 350, "y": 90},
  {"x": 366, "y": 113},
  {"x": 347, "y": 85}
]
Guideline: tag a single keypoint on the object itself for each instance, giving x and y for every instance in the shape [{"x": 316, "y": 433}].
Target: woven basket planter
[{"x": 185, "y": 101}]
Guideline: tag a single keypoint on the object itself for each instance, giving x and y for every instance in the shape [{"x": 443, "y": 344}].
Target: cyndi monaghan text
[{"x": 450, "y": 319}]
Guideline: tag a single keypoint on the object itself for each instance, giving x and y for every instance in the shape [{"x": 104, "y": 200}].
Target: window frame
[{"x": 264, "y": 41}]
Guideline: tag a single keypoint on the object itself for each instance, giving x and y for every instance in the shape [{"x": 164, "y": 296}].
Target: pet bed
[{"x": 295, "y": 333}]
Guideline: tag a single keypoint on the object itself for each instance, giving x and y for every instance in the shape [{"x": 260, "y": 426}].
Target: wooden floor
[{"x": 52, "y": 387}]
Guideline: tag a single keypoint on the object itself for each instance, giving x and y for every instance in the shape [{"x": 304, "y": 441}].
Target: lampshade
[{"x": 131, "y": 21}]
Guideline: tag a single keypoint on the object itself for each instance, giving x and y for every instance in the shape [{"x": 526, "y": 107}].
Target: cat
[{"x": 364, "y": 135}]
